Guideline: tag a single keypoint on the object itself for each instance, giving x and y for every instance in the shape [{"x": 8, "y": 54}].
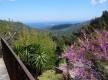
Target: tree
[{"x": 83, "y": 56}]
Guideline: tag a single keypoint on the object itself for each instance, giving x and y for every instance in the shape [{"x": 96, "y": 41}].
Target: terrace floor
[{"x": 3, "y": 71}]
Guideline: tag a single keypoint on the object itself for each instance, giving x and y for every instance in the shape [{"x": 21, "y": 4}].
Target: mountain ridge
[{"x": 62, "y": 29}]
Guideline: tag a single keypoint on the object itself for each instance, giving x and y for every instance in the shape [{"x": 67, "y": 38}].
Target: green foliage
[
  {"x": 30, "y": 38},
  {"x": 10, "y": 30},
  {"x": 50, "y": 75},
  {"x": 100, "y": 22},
  {"x": 6, "y": 29},
  {"x": 62, "y": 42},
  {"x": 35, "y": 50},
  {"x": 50, "y": 64}
]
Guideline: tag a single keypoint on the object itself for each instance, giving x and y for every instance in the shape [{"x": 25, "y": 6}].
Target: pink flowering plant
[{"x": 81, "y": 57}]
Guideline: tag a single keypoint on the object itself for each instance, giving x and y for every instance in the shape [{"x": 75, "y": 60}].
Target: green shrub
[{"x": 50, "y": 75}]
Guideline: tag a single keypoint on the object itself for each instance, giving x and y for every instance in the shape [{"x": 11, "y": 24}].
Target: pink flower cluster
[{"x": 79, "y": 56}]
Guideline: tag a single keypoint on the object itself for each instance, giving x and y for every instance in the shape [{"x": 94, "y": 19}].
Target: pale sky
[{"x": 51, "y": 10}]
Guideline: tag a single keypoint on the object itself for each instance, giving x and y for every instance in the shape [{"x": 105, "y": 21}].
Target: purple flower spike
[{"x": 106, "y": 35}]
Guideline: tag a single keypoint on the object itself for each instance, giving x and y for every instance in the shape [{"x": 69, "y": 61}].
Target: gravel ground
[{"x": 3, "y": 71}]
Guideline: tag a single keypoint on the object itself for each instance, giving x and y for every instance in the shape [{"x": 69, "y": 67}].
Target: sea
[{"x": 49, "y": 24}]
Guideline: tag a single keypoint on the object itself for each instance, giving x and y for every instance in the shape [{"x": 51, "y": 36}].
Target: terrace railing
[{"x": 15, "y": 67}]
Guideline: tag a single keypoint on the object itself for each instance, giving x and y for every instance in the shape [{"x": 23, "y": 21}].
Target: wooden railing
[{"x": 15, "y": 67}]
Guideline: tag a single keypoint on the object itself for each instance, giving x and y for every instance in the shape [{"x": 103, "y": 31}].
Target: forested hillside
[
  {"x": 97, "y": 23},
  {"x": 66, "y": 29},
  {"x": 10, "y": 29}
]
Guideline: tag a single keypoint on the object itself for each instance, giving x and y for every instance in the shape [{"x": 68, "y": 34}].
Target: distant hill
[
  {"x": 10, "y": 29},
  {"x": 16, "y": 25},
  {"x": 62, "y": 26},
  {"x": 65, "y": 29}
]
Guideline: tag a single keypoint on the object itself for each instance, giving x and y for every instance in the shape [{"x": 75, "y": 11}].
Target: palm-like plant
[
  {"x": 34, "y": 57},
  {"x": 39, "y": 58}
]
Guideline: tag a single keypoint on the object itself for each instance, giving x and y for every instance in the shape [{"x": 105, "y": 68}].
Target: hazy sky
[{"x": 51, "y": 10}]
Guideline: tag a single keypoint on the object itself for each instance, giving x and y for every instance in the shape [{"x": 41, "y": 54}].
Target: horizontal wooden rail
[{"x": 15, "y": 67}]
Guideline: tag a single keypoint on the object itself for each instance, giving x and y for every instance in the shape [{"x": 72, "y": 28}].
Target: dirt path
[{"x": 3, "y": 71}]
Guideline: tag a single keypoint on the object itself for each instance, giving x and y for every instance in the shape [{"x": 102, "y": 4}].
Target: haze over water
[{"x": 49, "y": 24}]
